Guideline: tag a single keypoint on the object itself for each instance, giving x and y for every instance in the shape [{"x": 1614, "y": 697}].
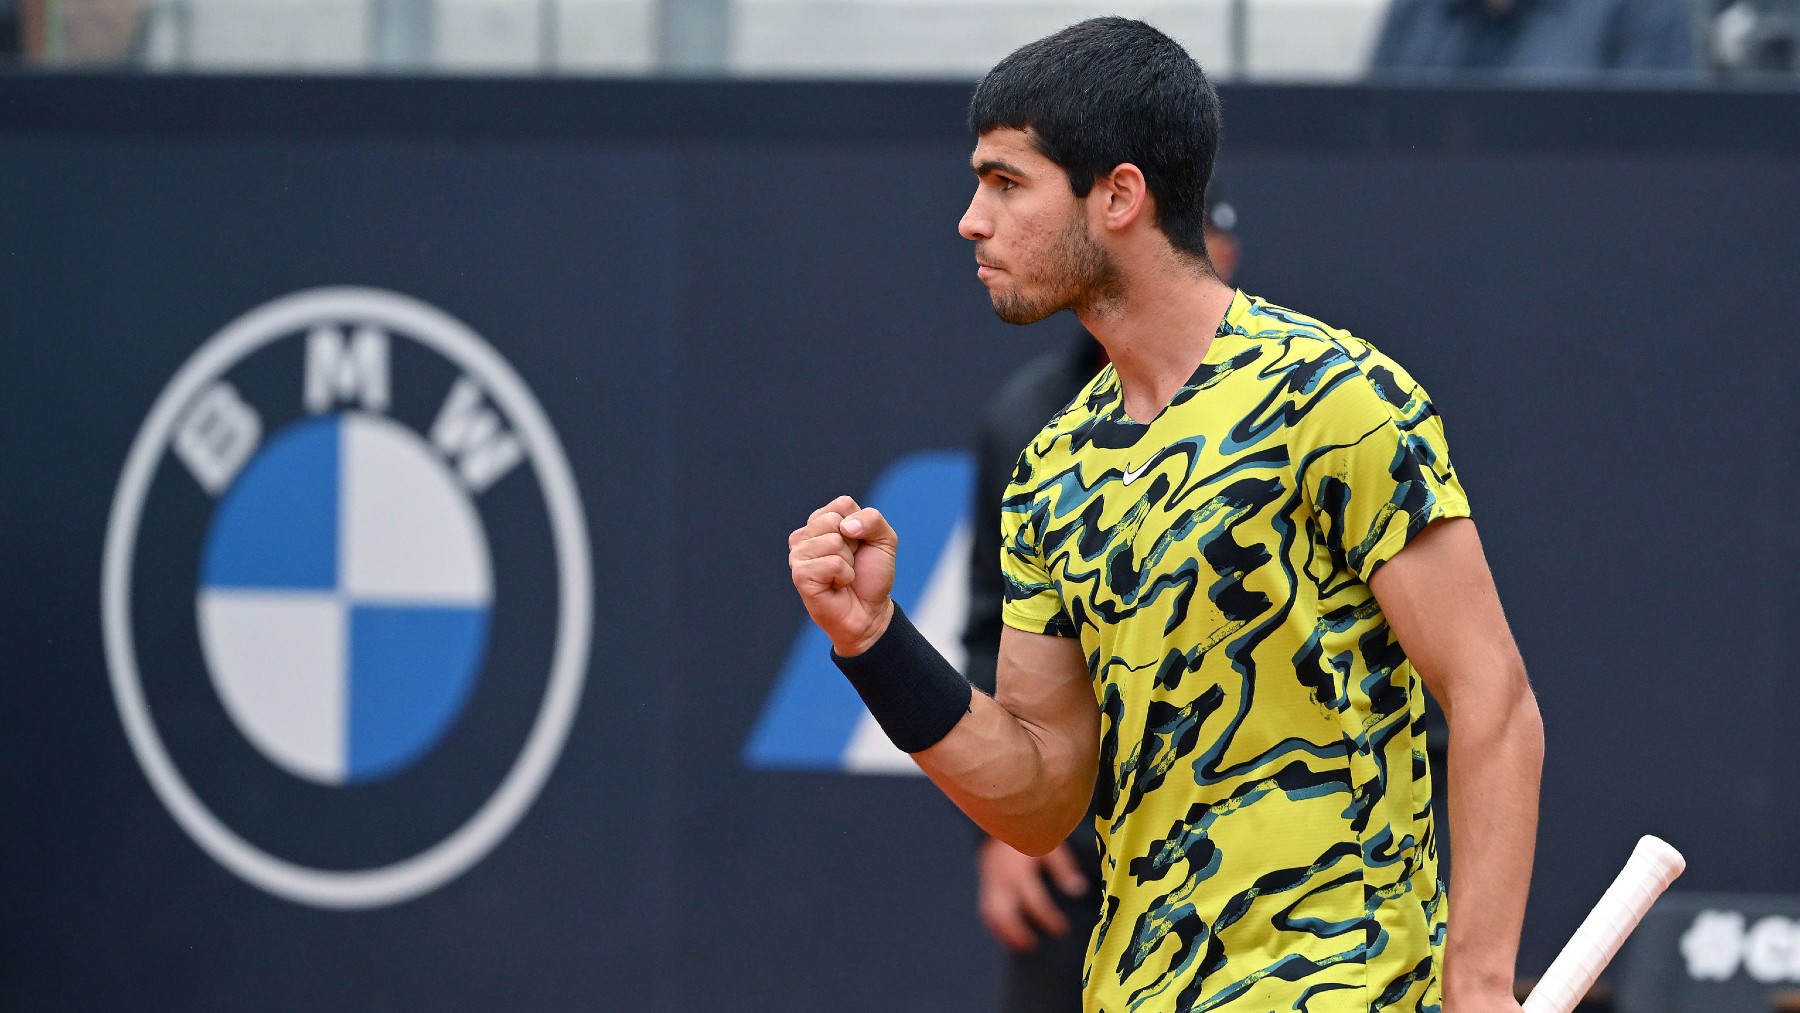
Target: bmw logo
[{"x": 346, "y": 597}]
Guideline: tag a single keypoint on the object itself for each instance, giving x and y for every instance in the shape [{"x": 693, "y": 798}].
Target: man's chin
[{"x": 1015, "y": 312}]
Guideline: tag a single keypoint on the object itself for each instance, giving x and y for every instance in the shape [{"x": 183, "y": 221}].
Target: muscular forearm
[
  {"x": 1025, "y": 784},
  {"x": 1439, "y": 598},
  {"x": 1495, "y": 760}
]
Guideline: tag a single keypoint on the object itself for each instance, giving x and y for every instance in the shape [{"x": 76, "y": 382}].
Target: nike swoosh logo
[{"x": 1132, "y": 476}]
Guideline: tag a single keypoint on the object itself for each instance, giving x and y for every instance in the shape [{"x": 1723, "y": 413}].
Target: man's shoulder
[
  {"x": 1283, "y": 339},
  {"x": 1319, "y": 364},
  {"x": 1060, "y": 442},
  {"x": 1266, "y": 320},
  {"x": 1313, "y": 360}
]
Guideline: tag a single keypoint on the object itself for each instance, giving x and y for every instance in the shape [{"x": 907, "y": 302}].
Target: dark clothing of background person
[
  {"x": 1542, "y": 38},
  {"x": 1017, "y": 413},
  {"x": 1047, "y": 979}
]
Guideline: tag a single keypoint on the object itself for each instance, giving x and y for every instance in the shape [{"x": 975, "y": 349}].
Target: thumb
[
  {"x": 871, "y": 528},
  {"x": 1061, "y": 866}
]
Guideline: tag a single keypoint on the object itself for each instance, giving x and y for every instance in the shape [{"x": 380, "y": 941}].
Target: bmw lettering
[{"x": 346, "y": 597}]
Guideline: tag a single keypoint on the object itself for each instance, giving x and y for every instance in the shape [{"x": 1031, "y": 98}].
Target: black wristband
[{"x": 912, "y": 692}]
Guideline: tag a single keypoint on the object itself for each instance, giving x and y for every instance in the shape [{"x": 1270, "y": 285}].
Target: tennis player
[{"x": 1230, "y": 561}]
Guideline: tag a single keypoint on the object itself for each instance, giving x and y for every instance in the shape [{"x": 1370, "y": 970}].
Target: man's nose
[{"x": 974, "y": 224}]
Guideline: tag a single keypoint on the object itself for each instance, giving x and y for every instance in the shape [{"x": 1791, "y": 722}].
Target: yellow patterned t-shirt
[{"x": 1266, "y": 835}]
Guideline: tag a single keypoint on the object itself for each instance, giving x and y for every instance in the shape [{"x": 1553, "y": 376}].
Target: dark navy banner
[{"x": 396, "y": 477}]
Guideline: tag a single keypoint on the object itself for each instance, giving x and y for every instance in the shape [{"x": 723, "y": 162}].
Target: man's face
[{"x": 1031, "y": 235}]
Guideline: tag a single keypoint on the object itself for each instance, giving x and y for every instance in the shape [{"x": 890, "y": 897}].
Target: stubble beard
[{"x": 1082, "y": 276}]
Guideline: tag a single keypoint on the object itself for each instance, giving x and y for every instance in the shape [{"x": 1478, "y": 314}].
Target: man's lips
[{"x": 985, "y": 271}]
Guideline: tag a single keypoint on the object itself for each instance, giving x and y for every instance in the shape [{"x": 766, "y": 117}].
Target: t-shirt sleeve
[
  {"x": 1378, "y": 469},
  {"x": 1032, "y": 602}
]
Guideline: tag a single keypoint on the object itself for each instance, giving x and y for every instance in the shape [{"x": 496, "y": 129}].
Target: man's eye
[{"x": 1007, "y": 184}]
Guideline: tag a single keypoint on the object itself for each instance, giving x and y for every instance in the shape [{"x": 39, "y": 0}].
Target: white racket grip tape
[{"x": 1652, "y": 867}]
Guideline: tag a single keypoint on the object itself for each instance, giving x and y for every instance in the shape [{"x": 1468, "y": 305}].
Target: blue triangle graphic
[{"x": 813, "y": 712}]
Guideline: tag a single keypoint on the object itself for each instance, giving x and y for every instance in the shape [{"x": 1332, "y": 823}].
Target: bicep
[{"x": 1439, "y": 598}]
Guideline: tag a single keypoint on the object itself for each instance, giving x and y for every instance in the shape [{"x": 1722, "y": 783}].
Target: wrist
[
  {"x": 1477, "y": 983},
  {"x": 878, "y": 625},
  {"x": 910, "y": 690}
]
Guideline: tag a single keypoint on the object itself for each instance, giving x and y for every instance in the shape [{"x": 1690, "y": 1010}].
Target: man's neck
[{"x": 1156, "y": 333}]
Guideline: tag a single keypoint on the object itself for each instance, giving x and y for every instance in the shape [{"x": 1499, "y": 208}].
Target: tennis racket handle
[{"x": 1652, "y": 867}]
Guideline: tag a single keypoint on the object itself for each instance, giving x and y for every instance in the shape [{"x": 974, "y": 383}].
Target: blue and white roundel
[{"x": 344, "y": 598}]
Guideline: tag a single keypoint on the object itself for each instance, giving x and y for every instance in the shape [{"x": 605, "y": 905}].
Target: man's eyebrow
[{"x": 993, "y": 165}]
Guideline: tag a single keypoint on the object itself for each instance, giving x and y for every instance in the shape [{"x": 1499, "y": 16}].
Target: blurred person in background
[
  {"x": 1754, "y": 37},
  {"x": 1042, "y": 910},
  {"x": 9, "y": 32},
  {"x": 63, "y": 32},
  {"x": 1536, "y": 37}
]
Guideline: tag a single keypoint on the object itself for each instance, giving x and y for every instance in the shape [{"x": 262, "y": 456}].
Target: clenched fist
[{"x": 843, "y": 566}]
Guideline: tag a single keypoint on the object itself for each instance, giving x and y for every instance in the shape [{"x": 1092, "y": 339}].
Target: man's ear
[{"x": 1123, "y": 197}]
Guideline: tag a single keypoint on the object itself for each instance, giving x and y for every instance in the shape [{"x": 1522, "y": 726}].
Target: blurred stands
[
  {"x": 1246, "y": 40},
  {"x": 1312, "y": 40},
  {"x": 1243, "y": 40}
]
